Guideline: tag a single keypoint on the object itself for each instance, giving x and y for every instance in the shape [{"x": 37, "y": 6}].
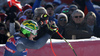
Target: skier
[{"x": 17, "y": 45}]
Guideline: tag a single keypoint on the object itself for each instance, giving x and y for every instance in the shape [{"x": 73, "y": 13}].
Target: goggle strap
[{"x": 32, "y": 31}]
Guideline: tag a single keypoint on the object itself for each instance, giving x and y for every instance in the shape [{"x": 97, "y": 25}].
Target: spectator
[
  {"x": 3, "y": 33},
  {"x": 38, "y": 12},
  {"x": 77, "y": 26},
  {"x": 56, "y": 3},
  {"x": 62, "y": 21},
  {"x": 91, "y": 23},
  {"x": 50, "y": 10},
  {"x": 65, "y": 10},
  {"x": 71, "y": 9},
  {"x": 91, "y": 8},
  {"x": 27, "y": 13},
  {"x": 2, "y": 17},
  {"x": 60, "y": 8}
]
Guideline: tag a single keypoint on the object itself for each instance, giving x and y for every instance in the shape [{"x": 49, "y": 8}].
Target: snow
[{"x": 93, "y": 38}]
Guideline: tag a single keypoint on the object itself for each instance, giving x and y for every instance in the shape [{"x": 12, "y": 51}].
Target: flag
[{"x": 14, "y": 3}]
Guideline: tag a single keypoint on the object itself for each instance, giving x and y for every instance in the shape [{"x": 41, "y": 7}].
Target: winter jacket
[
  {"x": 16, "y": 45},
  {"x": 79, "y": 30},
  {"x": 36, "y": 4},
  {"x": 91, "y": 8}
]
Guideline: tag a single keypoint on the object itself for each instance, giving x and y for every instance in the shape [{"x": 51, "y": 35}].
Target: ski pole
[
  {"x": 67, "y": 42},
  {"x": 52, "y": 48}
]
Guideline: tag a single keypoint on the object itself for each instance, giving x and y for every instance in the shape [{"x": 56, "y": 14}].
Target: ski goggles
[{"x": 34, "y": 32}]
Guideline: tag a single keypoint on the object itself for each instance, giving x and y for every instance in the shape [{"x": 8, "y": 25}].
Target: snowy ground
[
  {"x": 75, "y": 40},
  {"x": 61, "y": 40}
]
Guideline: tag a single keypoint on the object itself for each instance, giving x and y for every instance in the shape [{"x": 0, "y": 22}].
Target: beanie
[
  {"x": 71, "y": 6},
  {"x": 64, "y": 8},
  {"x": 26, "y": 8},
  {"x": 39, "y": 11},
  {"x": 59, "y": 8},
  {"x": 49, "y": 6},
  {"x": 63, "y": 15},
  {"x": 3, "y": 16},
  {"x": 57, "y": 2}
]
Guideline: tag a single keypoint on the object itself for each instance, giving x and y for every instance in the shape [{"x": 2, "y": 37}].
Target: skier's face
[{"x": 32, "y": 36}]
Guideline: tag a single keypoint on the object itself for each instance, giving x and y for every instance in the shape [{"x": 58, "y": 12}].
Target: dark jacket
[
  {"x": 79, "y": 30},
  {"x": 96, "y": 31},
  {"x": 91, "y": 8}
]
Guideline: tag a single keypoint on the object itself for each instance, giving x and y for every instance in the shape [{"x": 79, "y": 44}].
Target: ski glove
[{"x": 52, "y": 28}]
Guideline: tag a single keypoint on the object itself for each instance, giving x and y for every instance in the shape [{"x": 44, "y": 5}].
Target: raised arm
[
  {"x": 36, "y": 4},
  {"x": 91, "y": 8}
]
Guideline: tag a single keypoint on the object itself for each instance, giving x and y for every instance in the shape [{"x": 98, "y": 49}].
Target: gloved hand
[
  {"x": 43, "y": 20},
  {"x": 52, "y": 28}
]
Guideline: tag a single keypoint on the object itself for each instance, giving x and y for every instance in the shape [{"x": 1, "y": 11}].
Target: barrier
[{"x": 83, "y": 47}]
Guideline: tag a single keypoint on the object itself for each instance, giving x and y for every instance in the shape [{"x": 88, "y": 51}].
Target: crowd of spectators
[{"x": 80, "y": 19}]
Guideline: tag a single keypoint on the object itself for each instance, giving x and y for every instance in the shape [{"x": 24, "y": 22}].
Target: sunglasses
[
  {"x": 34, "y": 32},
  {"x": 78, "y": 16},
  {"x": 65, "y": 11},
  {"x": 62, "y": 19},
  {"x": 2, "y": 29}
]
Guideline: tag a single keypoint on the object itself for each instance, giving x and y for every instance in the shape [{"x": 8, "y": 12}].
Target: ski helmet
[{"x": 29, "y": 26}]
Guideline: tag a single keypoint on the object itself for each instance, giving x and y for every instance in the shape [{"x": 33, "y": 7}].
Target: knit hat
[
  {"x": 2, "y": 16},
  {"x": 39, "y": 11},
  {"x": 26, "y": 8},
  {"x": 49, "y": 6},
  {"x": 63, "y": 15},
  {"x": 57, "y": 2},
  {"x": 59, "y": 8},
  {"x": 71, "y": 6},
  {"x": 64, "y": 8},
  {"x": 18, "y": 13}
]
